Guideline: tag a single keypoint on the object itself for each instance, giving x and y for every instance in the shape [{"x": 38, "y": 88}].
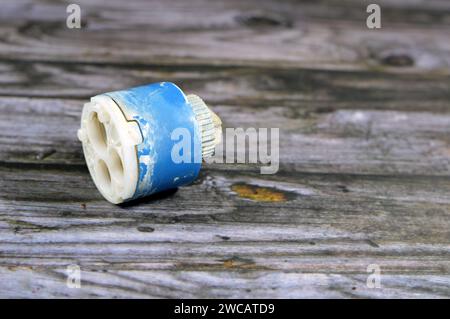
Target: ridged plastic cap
[{"x": 210, "y": 124}]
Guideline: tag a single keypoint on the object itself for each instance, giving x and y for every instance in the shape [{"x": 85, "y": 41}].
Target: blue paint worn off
[{"x": 159, "y": 109}]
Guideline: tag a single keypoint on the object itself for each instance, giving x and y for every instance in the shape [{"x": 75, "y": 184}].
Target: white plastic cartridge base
[{"x": 109, "y": 146}]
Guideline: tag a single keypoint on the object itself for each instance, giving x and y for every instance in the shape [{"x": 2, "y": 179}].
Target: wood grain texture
[
  {"x": 312, "y": 139},
  {"x": 330, "y": 227},
  {"x": 330, "y": 34},
  {"x": 364, "y": 118}
]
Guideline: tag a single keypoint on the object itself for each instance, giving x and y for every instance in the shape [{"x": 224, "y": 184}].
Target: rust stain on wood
[
  {"x": 228, "y": 264},
  {"x": 259, "y": 194},
  {"x": 237, "y": 262}
]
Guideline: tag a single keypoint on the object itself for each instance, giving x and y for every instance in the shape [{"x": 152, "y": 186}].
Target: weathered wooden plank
[
  {"x": 309, "y": 200},
  {"x": 325, "y": 227},
  {"x": 322, "y": 89},
  {"x": 431, "y": 12},
  {"x": 338, "y": 141},
  {"x": 31, "y": 283},
  {"x": 364, "y": 152},
  {"x": 329, "y": 35}
]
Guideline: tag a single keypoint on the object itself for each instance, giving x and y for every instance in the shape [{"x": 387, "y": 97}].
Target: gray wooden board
[{"x": 364, "y": 150}]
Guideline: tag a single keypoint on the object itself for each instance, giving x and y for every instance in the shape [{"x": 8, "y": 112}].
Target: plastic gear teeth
[{"x": 210, "y": 124}]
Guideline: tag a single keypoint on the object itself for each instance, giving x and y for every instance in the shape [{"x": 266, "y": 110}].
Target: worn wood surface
[{"x": 364, "y": 178}]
